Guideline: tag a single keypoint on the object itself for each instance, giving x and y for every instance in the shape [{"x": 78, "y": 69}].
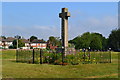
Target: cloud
[
  {"x": 77, "y": 25},
  {"x": 47, "y": 31},
  {"x": 42, "y": 32},
  {"x": 103, "y": 25}
]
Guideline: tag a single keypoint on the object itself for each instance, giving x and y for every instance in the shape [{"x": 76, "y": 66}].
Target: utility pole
[
  {"x": 17, "y": 43},
  {"x": 17, "y": 37}
]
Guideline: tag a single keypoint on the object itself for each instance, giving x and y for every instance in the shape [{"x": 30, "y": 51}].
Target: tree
[
  {"x": 114, "y": 39},
  {"x": 87, "y": 39},
  {"x": 32, "y": 38},
  {"x": 18, "y": 37},
  {"x": 77, "y": 42},
  {"x": 104, "y": 41},
  {"x": 3, "y": 37},
  {"x": 82, "y": 41},
  {"x": 20, "y": 43},
  {"x": 96, "y": 43},
  {"x": 43, "y": 40},
  {"x": 55, "y": 41}
]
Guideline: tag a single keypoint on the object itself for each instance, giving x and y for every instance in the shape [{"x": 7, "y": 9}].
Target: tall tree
[
  {"x": 104, "y": 41},
  {"x": 55, "y": 41},
  {"x": 32, "y": 38},
  {"x": 114, "y": 39},
  {"x": 3, "y": 37},
  {"x": 96, "y": 43},
  {"x": 76, "y": 41},
  {"x": 20, "y": 43},
  {"x": 87, "y": 39},
  {"x": 18, "y": 37},
  {"x": 82, "y": 41}
]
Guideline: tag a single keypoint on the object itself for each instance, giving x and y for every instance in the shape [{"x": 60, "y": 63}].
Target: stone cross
[{"x": 64, "y": 33}]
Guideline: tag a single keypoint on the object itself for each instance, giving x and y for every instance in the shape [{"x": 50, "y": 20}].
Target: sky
[
  {"x": 60, "y": 0},
  {"x": 41, "y": 19},
  {"x": 0, "y": 18}
]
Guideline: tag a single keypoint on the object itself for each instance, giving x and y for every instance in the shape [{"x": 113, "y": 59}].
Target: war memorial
[{"x": 64, "y": 55}]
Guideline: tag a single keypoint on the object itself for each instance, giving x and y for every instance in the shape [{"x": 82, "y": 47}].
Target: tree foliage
[
  {"x": 3, "y": 37},
  {"x": 55, "y": 41},
  {"x": 94, "y": 40},
  {"x": 96, "y": 43},
  {"x": 18, "y": 37},
  {"x": 114, "y": 39},
  {"x": 20, "y": 43},
  {"x": 32, "y": 38}
]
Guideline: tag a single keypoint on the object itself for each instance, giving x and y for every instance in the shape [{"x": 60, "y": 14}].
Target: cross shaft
[{"x": 64, "y": 33}]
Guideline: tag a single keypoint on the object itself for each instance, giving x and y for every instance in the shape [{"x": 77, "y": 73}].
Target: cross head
[{"x": 65, "y": 14}]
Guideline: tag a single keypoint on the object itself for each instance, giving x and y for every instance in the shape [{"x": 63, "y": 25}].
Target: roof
[
  {"x": 0, "y": 38},
  {"x": 9, "y": 39},
  {"x": 4, "y": 40},
  {"x": 25, "y": 40},
  {"x": 38, "y": 41}
]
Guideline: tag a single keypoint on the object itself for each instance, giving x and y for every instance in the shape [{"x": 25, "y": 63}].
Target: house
[
  {"x": 6, "y": 43},
  {"x": 38, "y": 44},
  {"x": 9, "y": 41},
  {"x": 0, "y": 42},
  {"x": 27, "y": 42}
]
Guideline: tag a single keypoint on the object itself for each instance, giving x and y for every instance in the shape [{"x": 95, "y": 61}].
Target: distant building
[
  {"x": 0, "y": 42},
  {"x": 27, "y": 44},
  {"x": 6, "y": 43},
  {"x": 38, "y": 44}
]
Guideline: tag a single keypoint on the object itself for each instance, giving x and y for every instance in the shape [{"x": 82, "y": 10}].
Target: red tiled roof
[
  {"x": 38, "y": 41},
  {"x": 25, "y": 41}
]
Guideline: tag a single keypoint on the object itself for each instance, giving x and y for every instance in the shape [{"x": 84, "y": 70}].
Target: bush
[{"x": 11, "y": 47}]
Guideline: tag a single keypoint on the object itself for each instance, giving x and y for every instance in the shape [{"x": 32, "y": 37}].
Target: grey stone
[{"x": 64, "y": 33}]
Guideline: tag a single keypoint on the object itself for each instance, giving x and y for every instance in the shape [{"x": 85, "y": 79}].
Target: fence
[{"x": 40, "y": 56}]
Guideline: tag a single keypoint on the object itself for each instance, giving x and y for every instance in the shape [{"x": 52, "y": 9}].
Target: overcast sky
[{"x": 41, "y": 19}]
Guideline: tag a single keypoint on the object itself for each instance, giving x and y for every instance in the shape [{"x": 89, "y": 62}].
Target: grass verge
[{"x": 11, "y": 69}]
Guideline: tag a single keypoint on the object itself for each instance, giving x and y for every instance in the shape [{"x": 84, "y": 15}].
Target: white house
[
  {"x": 0, "y": 42},
  {"x": 27, "y": 44},
  {"x": 6, "y": 43},
  {"x": 38, "y": 44}
]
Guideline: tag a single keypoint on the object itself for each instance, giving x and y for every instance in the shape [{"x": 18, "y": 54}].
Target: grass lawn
[{"x": 11, "y": 69}]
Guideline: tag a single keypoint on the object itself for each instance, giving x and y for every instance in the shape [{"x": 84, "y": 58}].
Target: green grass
[
  {"x": 9, "y": 54},
  {"x": 11, "y": 69}
]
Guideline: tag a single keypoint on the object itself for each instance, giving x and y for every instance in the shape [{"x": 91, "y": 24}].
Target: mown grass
[
  {"x": 11, "y": 69},
  {"x": 9, "y": 54}
]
